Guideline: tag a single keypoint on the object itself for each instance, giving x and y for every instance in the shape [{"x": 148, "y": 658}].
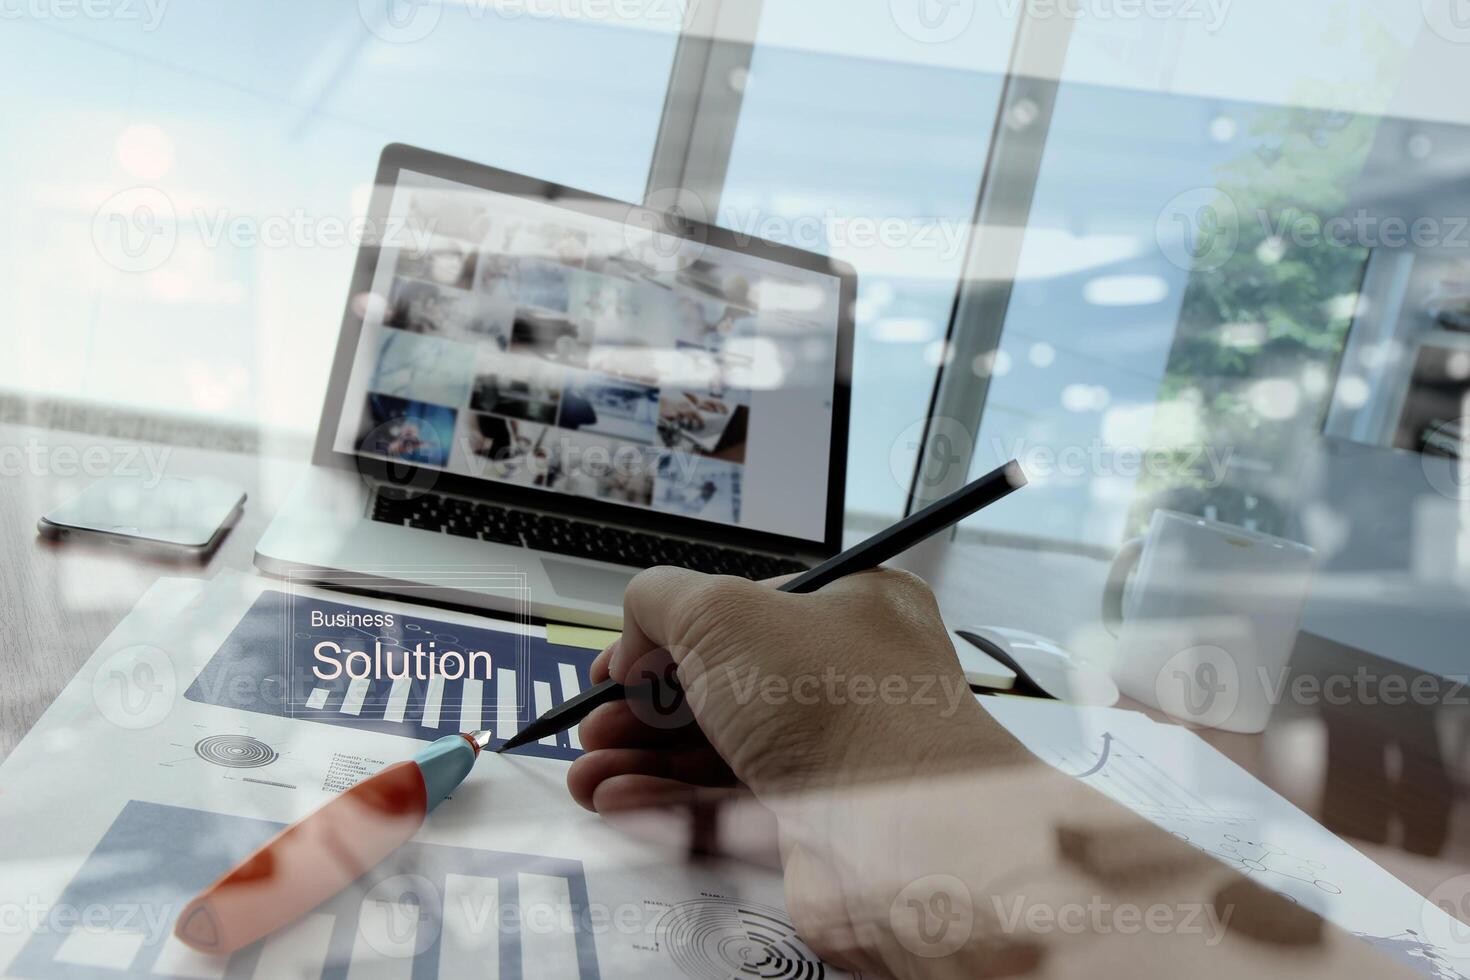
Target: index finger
[{"x": 598, "y": 672}]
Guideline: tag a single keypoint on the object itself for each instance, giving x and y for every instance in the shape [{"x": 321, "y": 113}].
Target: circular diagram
[
  {"x": 719, "y": 939},
  {"x": 1255, "y": 857},
  {"x": 235, "y": 751}
]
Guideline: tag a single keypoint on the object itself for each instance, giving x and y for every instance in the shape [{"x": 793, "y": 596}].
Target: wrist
[
  {"x": 916, "y": 743},
  {"x": 913, "y": 839}
]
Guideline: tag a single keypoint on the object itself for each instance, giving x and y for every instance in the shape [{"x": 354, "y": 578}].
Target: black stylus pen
[{"x": 871, "y": 553}]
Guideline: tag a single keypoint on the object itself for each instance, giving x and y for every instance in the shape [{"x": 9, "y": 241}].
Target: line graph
[{"x": 1132, "y": 779}]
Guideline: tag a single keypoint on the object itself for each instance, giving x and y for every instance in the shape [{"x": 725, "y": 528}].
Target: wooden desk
[{"x": 1389, "y": 779}]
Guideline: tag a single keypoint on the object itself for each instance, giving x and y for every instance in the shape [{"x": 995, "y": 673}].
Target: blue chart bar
[
  {"x": 430, "y": 911},
  {"x": 268, "y": 665}
]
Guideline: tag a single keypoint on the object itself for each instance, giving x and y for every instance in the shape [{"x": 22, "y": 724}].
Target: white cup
[{"x": 1206, "y": 616}]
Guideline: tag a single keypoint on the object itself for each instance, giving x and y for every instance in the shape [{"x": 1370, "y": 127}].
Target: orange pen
[{"x": 318, "y": 856}]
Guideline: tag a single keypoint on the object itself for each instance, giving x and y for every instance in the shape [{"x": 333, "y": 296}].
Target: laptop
[{"x": 538, "y": 381}]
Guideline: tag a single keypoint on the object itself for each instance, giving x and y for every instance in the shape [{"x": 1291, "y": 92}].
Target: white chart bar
[
  {"x": 387, "y": 934},
  {"x": 543, "y": 705},
  {"x": 570, "y": 688},
  {"x": 105, "y": 949},
  {"x": 317, "y": 699},
  {"x": 356, "y": 693},
  {"x": 433, "y": 698},
  {"x": 505, "y": 703},
  {"x": 299, "y": 950},
  {"x": 469, "y": 946},
  {"x": 178, "y": 960},
  {"x": 397, "y": 699},
  {"x": 547, "y": 937},
  {"x": 471, "y": 700}
]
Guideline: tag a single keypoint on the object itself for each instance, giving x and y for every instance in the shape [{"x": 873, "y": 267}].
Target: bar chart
[
  {"x": 267, "y": 665},
  {"x": 430, "y": 911}
]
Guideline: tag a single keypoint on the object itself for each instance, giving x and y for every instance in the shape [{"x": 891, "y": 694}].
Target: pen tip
[{"x": 514, "y": 742}]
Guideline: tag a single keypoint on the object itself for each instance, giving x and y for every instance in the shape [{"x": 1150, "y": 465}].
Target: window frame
[{"x": 692, "y": 154}]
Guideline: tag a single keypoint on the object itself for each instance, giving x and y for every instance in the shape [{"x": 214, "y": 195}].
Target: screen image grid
[
  {"x": 256, "y": 670},
  {"x": 429, "y": 911},
  {"x": 520, "y": 346}
]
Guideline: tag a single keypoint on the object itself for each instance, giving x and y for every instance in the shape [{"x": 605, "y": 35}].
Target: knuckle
[
  {"x": 906, "y": 601},
  {"x": 718, "y": 600},
  {"x": 654, "y": 584},
  {"x": 720, "y": 593},
  {"x": 725, "y": 588},
  {"x": 904, "y": 579},
  {"x": 903, "y": 587}
]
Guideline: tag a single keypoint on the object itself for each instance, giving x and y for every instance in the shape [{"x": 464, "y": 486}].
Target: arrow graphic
[{"x": 1102, "y": 760}]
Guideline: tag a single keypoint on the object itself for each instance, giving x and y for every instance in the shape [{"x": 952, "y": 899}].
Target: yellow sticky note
[{"x": 579, "y": 636}]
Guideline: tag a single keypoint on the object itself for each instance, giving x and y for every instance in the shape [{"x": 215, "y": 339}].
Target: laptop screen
[{"x": 515, "y": 340}]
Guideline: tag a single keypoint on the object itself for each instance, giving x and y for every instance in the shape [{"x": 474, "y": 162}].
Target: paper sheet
[
  {"x": 581, "y": 636},
  {"x": 1185, "y": 786},
  {"x": 130, "y": 795}
]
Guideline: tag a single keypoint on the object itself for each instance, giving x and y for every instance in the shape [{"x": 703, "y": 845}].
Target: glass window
[
  {"x": 180, "y": 185},
  {"x": 868, "y": 144},
  {"x": 1175, "y": 330}
]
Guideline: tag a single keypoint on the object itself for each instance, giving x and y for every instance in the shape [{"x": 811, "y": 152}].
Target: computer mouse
[
  {"x": 1042, "y": 668},
  {"x": 981, "y": 670}
]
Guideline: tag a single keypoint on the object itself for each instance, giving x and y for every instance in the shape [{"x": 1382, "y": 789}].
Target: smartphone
[{"x": 175, "y": 517}]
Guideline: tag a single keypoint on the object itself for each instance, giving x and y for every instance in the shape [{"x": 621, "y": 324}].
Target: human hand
[
  {"x": 784, "y": 693},
  {"x": 913, "y": 831},
  {"x": 805, "y": 701}
]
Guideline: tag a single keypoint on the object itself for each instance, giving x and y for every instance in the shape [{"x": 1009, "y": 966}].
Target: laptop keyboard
[{"x": 565, "y": 536}]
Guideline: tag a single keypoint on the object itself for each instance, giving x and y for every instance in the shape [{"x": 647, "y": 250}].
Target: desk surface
[{"x": 1387, "y": 779}]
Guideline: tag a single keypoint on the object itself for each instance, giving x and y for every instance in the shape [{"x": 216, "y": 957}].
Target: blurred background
[{"x": 1208, "y": 255}]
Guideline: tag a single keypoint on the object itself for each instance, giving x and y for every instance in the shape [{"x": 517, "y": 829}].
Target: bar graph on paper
[
  {"x": 1113, "y": 767},
  {"x": 431, "y": 911},
  {"x": 266, "y": 665}
]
